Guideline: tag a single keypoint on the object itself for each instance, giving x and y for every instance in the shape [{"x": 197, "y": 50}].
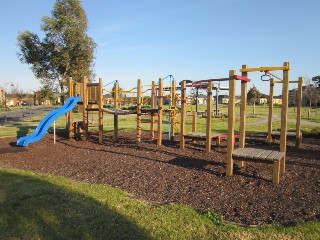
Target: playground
[
  {"x": 165, "y": 174},
  {"x": 248, "y": 179}
]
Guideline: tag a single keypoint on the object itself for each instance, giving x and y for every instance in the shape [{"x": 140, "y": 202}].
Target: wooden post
[
  {"x": 85, "y": 105},
  {"x": 183, "y": 114},
  {"x": 243, "y": 108},
  {"x": 100, "y": 103},
  {"x": 269, "y": 138},
  {"x": 70, "y": 114},
  {"x": 194, "y": 121},
  {"x": 209, "y": 117},
  {"x": 298, "y": 123},
  {"x": 54, "y": 132},
  {"x": 115, "y": 116},
  {"x": 276, "y": 172},
  {"x": 231, "y": 122},
  {"x": 153, "y": 105},
  {"x": 173, "y": 109},
  {"x": 160, "y": 112},
  {"x": 139, "y": 110},
  {"x": 284, "y": 115}
]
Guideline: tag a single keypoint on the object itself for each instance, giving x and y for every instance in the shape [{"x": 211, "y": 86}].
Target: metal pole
[
  {"x": 217, "y": 96},
  {"x": 197, "y": 95}
]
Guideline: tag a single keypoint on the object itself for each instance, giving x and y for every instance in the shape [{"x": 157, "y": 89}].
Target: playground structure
[
  {"x": 92, "y": 103},
  {"x": 277, "y": 158},
  {"x": 92, "y": 98},
  {"x": 46, "y": 122},
  {"x": 297, "y": 134},
  {"x": 208, "y": 136}
]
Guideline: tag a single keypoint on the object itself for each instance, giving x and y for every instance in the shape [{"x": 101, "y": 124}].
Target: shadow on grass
[
  {"x": 24, "y": 130},
  {"x": 33, "y": 208}
]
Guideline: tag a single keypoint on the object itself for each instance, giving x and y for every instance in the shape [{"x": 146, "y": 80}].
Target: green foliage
[
  {"x": 120, "y": 94},
  {"x": 213, "y": 216},
  {"x": 66, "y": 50},
  {"x": 316, "y": 79},
  {"x": 46, "y": 93},
  {"x": 253, "y": 94}
]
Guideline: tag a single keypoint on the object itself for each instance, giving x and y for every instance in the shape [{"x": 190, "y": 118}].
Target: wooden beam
[
  {"x": 153, "y": 105},
  {"x": 298, "y": 121},
  {"x": 194, "y": 121},
  {"x": 263, "y": 69},
  {"x": 160, "y": 112},
  {"x": 139, "y": 110},
  {"x": 100, "y": 103},
  {"x": 231, "y": 122},
  {"x": 209, "y": 117},
  {"x": 243, "y": 108},
  {"x": 269, "y": 138},
  {"x": 183, "y": 114},
  {"x": 284, "y": 115},
  {"x": 85, "y": 106},
  {"x": 115, "y": 116},
  {"x": 173, "y": 107},
  {"x": 70, "y": 114}
]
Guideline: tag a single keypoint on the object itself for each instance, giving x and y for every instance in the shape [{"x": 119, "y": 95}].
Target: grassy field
[
  {"x": 37, "y": 206},
  {"x": 127, "y": 123}
]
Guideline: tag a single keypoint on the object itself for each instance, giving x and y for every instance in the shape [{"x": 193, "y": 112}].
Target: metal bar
[{"x": 243, "y": 78}]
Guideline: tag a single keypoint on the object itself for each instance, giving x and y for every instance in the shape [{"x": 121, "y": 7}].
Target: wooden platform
[
  {"x": 149, "y": 110},
  {"x": 289, "y": 134},
  {"x": 116, "y": 111},
  {"x": 203, "y": 136},
  {"x": 261, "y": 155}
]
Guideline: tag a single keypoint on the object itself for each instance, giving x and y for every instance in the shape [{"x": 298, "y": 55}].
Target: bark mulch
[{"x": 166, "y": 174}]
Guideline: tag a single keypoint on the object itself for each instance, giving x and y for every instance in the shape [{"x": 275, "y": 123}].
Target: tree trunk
[{"x": 62, "y": 94}]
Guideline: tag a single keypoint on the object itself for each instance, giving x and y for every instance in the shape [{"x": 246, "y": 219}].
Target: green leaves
[
  {"x": 253, "y": 94},
  {"x": 66, "y": 49}
]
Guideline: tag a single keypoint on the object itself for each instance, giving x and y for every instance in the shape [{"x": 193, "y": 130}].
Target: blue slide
[{"x": 47, "y": 121}]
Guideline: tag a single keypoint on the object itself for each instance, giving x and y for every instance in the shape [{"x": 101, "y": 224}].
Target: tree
[
  {"x": 17, "y": 92},
  {"x": 46, "y": 93},
  {"x": 311, "y": 92},
  {"x": 66, "y": 49},
  {"x": 252, "y": 96},
  {"x": 316, "y": 79},
  {"x": 120, "y": 94}
]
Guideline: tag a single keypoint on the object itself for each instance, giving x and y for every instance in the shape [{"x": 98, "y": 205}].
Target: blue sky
[{"x": 190, "y": 39}]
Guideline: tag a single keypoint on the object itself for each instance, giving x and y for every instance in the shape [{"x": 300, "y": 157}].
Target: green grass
[
  {"x": 127, "y": 123},
  {"x": 38, "y": 206}
]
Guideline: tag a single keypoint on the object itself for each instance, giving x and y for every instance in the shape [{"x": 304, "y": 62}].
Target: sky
[{"x": 189, "y": 39}]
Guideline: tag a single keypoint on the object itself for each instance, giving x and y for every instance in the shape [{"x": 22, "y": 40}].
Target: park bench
[
  {"x": 202, "y": 136},
  {"x": 262, "y": 156}
]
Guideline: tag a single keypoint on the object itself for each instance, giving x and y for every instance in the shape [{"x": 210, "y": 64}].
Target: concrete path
[
  {"x": 277, "y": 118},
  {"x": 20, "y": 115}
]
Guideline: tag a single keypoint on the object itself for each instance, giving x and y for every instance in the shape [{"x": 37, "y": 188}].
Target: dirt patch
[{"x": 166, "y": 174}]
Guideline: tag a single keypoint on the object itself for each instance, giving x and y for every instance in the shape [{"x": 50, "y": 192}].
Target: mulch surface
[{"x": 166, "y": 174}]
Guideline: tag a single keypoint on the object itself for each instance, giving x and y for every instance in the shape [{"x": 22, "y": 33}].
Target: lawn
[{"x": 38, "y": 206}]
